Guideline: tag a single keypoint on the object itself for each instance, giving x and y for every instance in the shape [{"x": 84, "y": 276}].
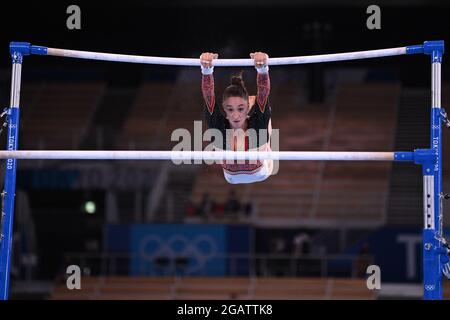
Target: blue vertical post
[
  {"x": 17, "y": 52},
  {"x": 432, "y": 177}
]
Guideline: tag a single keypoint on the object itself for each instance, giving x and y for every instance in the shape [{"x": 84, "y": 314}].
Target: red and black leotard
[{"x": 259, "y": 118}]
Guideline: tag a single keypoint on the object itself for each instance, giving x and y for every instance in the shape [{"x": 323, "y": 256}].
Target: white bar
[
  {"x": 436, "y": 85},
  {"x": 225, "y": 62},
  {"x": 428, "y": 201},
  {"x": 196, "y": 155},
  {"x": 15, "y": 85}
]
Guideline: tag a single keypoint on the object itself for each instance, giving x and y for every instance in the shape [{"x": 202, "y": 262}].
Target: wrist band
[
  {"x": 207, "y": 71},
  {"x": 263, "y": 69}
]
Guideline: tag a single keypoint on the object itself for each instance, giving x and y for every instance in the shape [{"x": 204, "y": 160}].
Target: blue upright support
[
  {"x": 434, "y": 253},
  {"x": 8, "y": 194}
]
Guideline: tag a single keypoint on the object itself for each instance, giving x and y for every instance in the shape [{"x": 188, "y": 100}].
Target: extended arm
[
  {"x": 208, "y": 79},
  {"x": 208, "y": 91},
  {"x": 262, "y": 79}
]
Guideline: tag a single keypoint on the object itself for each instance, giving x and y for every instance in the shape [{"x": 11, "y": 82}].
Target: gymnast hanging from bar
[{"x": 241, "y": 113}]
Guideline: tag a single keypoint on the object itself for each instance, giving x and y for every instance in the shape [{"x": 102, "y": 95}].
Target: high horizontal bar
[
  {"x": 203, "y": 155},
  {"x": 25, "y": 48},
  {"x": 226, "y": 62}
]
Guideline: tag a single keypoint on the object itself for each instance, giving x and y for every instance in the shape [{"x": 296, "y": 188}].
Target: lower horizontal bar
[{"x": 196, "y": 155}]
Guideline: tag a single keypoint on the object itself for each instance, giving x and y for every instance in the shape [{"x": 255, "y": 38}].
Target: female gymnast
[{"x": 241, "y": 114}]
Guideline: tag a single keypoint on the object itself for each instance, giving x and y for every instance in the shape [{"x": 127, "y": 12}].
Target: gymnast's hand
[
  {"x": 206, "y": 59},
  {"x": 260, "y": 59}
]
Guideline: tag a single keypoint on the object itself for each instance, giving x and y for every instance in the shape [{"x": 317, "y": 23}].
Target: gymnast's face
[{"x": 236, "y": 109}]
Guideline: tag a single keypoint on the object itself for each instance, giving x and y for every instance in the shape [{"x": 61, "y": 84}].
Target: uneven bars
[
  {"x": 26, "y": 49},
  {"x": 205, "y": 155}
]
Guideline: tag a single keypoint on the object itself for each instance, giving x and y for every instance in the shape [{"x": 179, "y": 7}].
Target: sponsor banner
[
  {"x": 397, "y": 251},
  {"x": 169, "y": 249}
]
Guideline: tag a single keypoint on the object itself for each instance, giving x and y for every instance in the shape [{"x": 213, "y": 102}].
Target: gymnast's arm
[
  {"x": 208, "y": 80},
  {"x": 213, "y": 116},
  {"x": 262, "y": 79}
]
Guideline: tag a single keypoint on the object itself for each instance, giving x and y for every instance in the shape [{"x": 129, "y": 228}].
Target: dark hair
[{"x": 236, "y": 88}]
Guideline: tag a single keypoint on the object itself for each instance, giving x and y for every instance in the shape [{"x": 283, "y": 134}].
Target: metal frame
[
  {"x": 8, "y": 195},
  {"x": 434, "y": 250}
]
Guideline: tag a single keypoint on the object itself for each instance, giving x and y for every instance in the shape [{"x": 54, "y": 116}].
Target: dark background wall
[{"x": 185, "y": 29}]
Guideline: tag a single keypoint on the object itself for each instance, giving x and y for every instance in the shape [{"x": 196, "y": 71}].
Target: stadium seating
[{"x": 58, "y": 115}]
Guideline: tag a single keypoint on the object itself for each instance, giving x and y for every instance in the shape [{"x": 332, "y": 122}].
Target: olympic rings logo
[
  {"x": 199, "y": 250},
  {"x": 429, "y": 287}
]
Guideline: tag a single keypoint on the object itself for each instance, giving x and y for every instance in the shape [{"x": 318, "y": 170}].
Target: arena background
[{"x": 141, "y": 230}]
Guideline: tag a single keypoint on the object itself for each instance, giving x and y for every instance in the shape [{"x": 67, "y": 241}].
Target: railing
[{"x": 261, "y": 265}]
